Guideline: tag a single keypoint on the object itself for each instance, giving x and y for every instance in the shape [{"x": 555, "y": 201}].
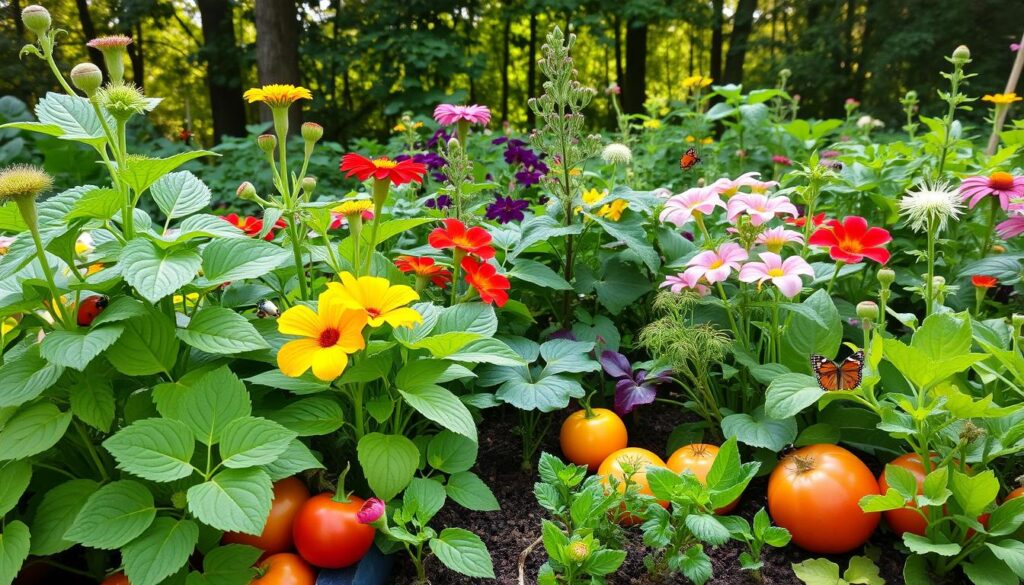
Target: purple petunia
[
  {"x": 531, "y": 169},
  {"x": 440, "y": 202},
  {"x": 632, "y": 388},
  {"x": 507, "y": 209}
]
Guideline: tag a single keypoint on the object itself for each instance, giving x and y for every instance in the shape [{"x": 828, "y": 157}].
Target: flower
[
  {"x": 7, "y": 325},
  {"x": 983, "y": 281},
  {"x": 252, "y": 226},
  {"x": 676, "y": 283},
  {"x": 593, "y": 196},
  {"x": 475, "y": 240},
  {"x": 382, "y": 169},
  {"x": 277, "y": 95},
  {"x": 400, "y": 127},
  {"x": 802, "y": 220},
  {"x": 1003, "y": 185},
  {"x": 716, "y": 265},
  {"x": 21, "y": 182},
  {"x": 783, "y": 274},
  {"x": 707, "y": 140},
  {"x": 727, "y": 187},
  {"x": 378, "y": 298},
  {"x": 617, "y": 153},
  {"x": 613, "y": 89},
  {"x": 760, "y": 208},
  {"x": 353, "y": 207},
  {"x": 1014, "y": 47},
  {"x": 930, "y": 205},
  {"x": 507, "y": 209},
  {"x": 1002, "y": 99},
  {"x": 448, "y": 114},
  {"x": 830, "y": 153},
  {"x": 440, "y": 202},
  {"x": 484, "y": 277},
  {"x": 652, "y": 124},
  {"x": 5, "y": 244},
  {"x": 109, "y": 42},
  {"x": 679, "y": 209},
  {"x": 777, "y": 237},
  {"x": 781, "y": 160},
  {"x": 371, "y": 511},
  {"x": 122, "y": 100},
  {"x": 696, "y": 81},
  {"x": 852, "y": 240},
  {"x": 613, "y": 210},
  {"x": 866, "y": 121},
  {"x": 424, "y": 267},
  {"x": 632, "y": 388},
  {"x": 1010, "y": 228},
  {"x": 329, "y": 335}
]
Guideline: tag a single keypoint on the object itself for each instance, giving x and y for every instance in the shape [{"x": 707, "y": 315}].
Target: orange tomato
[
  {"x": 697, "y": 458},
  {"x": 906, "y": 520},
  {"x": 1017, "y": 493},
  {"x": 118, "y": 578},
  {"x": 589, "y": 441},
  {"x": 285, "y": 569},
  {"x": 289, "y": 496},
  {"x": 640, "y": 459},
  {"x": 814, "y": 493}
]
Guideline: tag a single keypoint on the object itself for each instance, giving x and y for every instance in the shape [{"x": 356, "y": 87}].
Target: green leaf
[
  {"x": 147, "y": 346},
  {"x": 101, "y": 204},
  {"x": 155, "y": 272},
  {"x": 14, "y": 548},
  {"x": 32, "y": 430},
  {"x": 817, "y": 572},
  {"x": 707, "y": 528},
  {"x": 180, "y": 194},
  {"x": 922, "y": 545},
  {"x": 934, "y": 490},
  {"x": 251, "y": 441},
  {"x": 539, "y": 274},
  {"x": 232, "y": 564},
  {"x": 476, "y": 317},
  {"x": 487, "y": 351},
  {"x": 902, "y": 480},
  {"x": 804, "y": 336},
  {"x": 76, "y": 348},
  {"x": 789, "y": 394},
  {"x": 14, "y": 478},
  {"x": 425, "y": 496},
  {"x": 157, "y": 449},
  {"x": 74, "y": 115},
  {"x": 140, "y": 173},
  {"x": 234, "y": 259},
  {"x": 308, "y": 417},
  {"x": 439, "y": 405},
  {"x": 620, "y": 285},
  {"x": 305, "y": 384},
  {"x": 1007, "y": 518},
  {"x": 113, "y": 516},
  {"x": 160, "y": 552},
  {"x": 863, "y": 570},
  {"x": 757, "y": 430},
  {"x": 983, "y": 569},
  {"x": 942, "y": 336},
  {"x": 891, "y": 500},
  {"x": 120, "y": 309},
  {"x": 471, "y": 492},
  {"x": 296, "y": 458},
  {"x": 236, "y": 500},
  {"x": 604, "y": 562},
  {"x": 221, "y": 331},
  {"x": 818, "y": 433},
  {"x": 695, "y": 564},
  {"x": 546, "y": 394},
  {"x": 974, "y": 493},
  {"x": 56, "y": 514},
  {"x": 1010, "y": 552},
  {"x": 388, "y": 461},
  {"x": 451, "y": 453},
  {"x": 541, "y": 228},
  {"x": 92, "y": 401},
  {"x": 631, "y": 231},
  {"x": 26, "y": 377},
  {"x": 215, "y": 400},
  {"x": 563, "y": 355},
  {"x": 728, "y": 478},
  {"x": 462, "y": 551}
]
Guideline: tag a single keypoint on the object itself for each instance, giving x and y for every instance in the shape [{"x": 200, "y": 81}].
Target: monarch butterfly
[
  {"x": 844, "y": 375},
  {"x": 689, "y": 159}
]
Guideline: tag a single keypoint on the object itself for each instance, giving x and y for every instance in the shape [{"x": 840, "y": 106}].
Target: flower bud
[
  {"x": 371, "y": 511},
  {"x": 867, "y": 310},
  {"x": 267, "y": 142},
  {"x": 911, "y": 96},
  {"x": 87, "y": 77},
  {"x": 938, "y": 281},
  {"x": 886, "y": 276},
  {"x": 453, "y": 144},
  {"x": 961, "y": 55},
  {"x": 312, "y": 132},
  {"x": 785, "y": 73},
  {"x": 36, "y": 19},
  {"x": 308, "y": 184},
  {"x": 578, "y": 551},
  {"x": 246, "y": 191},
  {"x": 179, "y": 500},
  {"x": 971, "y": 432}
]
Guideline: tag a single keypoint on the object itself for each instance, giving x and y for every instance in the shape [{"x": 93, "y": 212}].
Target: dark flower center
[{"x": 329, "y": 337}]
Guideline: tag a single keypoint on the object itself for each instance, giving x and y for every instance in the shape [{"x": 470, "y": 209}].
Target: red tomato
[
  {"x": 89, "y": 308},
  {"x": 906, "y": 520},
  {"x": 328, "y": 534},
  {"x": 117, "y": 578},
  {"x": 589, "y": 441},
  {"x": 697, "y": 458},
  {"x": 1017, "y": 493},
  {"x": 814, "y": 492},
  {"x": 289, "y": 495},
  {"x": 285, "y": 569},
  {"x": 640, "y": 459}
]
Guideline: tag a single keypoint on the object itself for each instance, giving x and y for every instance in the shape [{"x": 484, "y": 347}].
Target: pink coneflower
[
  {"x": 727, "y": 187},
  {"x": 715, "y": 265},
  {"x": 679, "y": 209},
  {"x": 1014, "y": 225},
  {"x": 677, "y": 282},
  {"x": 777, "y": 237},
  {"x": 781, "y": 160},
  {"x": 371, "y": 511},
  {"x": 110, "y": 42},
  {"x": 830, "y": 153},
  {"x": 760, "y": 208},
  {"x": 784, "y": 274},
  {"x": 1003, "y": 185},
  {"x": 448, "y": 114}
]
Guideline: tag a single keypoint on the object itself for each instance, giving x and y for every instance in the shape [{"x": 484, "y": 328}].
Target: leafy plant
[{"x": 825, "y": 572}]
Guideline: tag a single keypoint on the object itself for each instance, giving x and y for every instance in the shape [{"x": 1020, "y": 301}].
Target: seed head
[
  {"x": 312, "y": 132},
  {"x": 122, "y": 100},
  {"x": 267, "y": 142},
  {"x": 21, "y": 182}
]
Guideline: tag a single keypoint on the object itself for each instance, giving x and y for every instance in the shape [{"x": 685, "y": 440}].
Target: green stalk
[
  {"x": 281, "y": 129},
  {"x": 300, "y": 266},
  {"x": 929, "y": 284},
  {"x": 993, "y": 210},
  {"x": 27, "y": 207},
  {"x": 832, "y": 280}
]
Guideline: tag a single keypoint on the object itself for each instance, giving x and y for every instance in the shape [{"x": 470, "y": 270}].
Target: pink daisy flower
[
  {"x": 715, "y": 265},
  {"x": 784, "y": 274},
  {"x": 1012, "y": 226},
  {"x": 448, "y": 114},
  {"x": 759, "y": 207},
  {"x": 1003, "y": 185},
  {"x": 677, "y": 282},
  {"x": 679, "y": 209},
  {"x": 727, "y": 187},
  {"x": 110, "y": 42},
  {"x": 777, "y": 237}
]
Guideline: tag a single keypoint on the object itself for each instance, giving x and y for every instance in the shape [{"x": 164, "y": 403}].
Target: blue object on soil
[{"x": 373, "y": 569}]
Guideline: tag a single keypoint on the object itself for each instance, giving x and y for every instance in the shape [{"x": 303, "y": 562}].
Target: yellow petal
[
  {"x": 331, "y": 305},
  {"x": 295, "y": 357},
  {"x": 350, "y": 329},
  {"x": 404, "y": 317},
  {"x": 329, "y": 362},
  {"x": 397, "y": 296},
  {"x": 299, "y": 320}
]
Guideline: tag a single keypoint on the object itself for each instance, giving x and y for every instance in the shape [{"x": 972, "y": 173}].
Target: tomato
[
  {"x": 697, "y": 458},
  {"x": 285, "y": 569},
  {"x": 1017, "y": 493},
  {"x": 328, "y": 534},
  {"x": 814, "y": 492},
  {"x": 289, "y": 495},
  {"x": 640, "y": 459},
  {"x": 589, "y": 441},
  {"x": 906, "y": 520},
  {"x": 117, "y": 578},
  {"x": 90, "y": 308}
]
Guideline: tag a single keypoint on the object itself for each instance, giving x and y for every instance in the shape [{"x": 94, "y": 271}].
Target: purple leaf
[
  {"x": 629, "y": 395},
  {"x": 616, "y": 365}
]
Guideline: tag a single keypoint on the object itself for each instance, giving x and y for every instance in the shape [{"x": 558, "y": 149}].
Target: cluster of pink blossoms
[{"x": 1009, "y": 191}]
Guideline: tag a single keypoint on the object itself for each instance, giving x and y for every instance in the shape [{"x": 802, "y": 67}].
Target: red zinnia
[
  {"x": 485, "y": 279},
  {"x": 802, "y": 220},
  {"x": 252, "y": 226},
  {"x": 852, "y": 240},
  {"x": 382, "y": 168},
  {"x": 454, "y": 234},
  {"x": 424, "y": 267},
  {"x": 983, "y": 281}
]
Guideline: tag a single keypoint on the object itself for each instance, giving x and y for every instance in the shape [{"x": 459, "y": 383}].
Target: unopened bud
[
  {"x": 867, "y": 310},
  {"x": 970, "y": 432},
  {"x": 578, "y": 551},
  {"x": 911, "y": 96},
  {"x": 179, "y": 500},
  {"x": 453, "y": 144},
  {"x": 886, "y": 276},
  {"x": 36, "y": 18},
  {"x": 312, "y": 132},
  {"x": 997, "y": 249},
  {"x": 246, "y": 191},
  {"x": 87, "y": 77},
  {"x": 785, "y": 73},
  {"x": 961, "y": 55},
  {"x": 308, "y": 184},
  {"x": 938, "y": 281},
  {"x": 267, "y": 142}
]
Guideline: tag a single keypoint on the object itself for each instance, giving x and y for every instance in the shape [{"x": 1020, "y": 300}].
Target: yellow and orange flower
[
  {"x": 613, "y": 210},
  {"x": 353, "y": 207},
  {"x": 1002, "y": 99},
  {"x": 328, "y": 336},
  {"x": 378, "y": 299},
  {"x": 277, "y": 95}
]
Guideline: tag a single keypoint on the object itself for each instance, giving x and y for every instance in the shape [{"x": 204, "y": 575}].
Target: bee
[{"x": 266, "y": 308}]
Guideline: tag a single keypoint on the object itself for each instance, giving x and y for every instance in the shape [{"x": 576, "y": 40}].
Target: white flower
[
  {"x": 617, "y": 153},
  {"x": 867, "y": 121},
  {"x": 931, "y": 204}
]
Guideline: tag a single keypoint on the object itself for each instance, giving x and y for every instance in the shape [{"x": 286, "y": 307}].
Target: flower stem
[
  {"x": 993, "y": 210},
  {"x": 300, "y": 265},
  {"x": 835, "y": 274},
  {"x": 929, "y": 283},
  {"x": 728, "y": 311},
  {"x": 457, "y": 256},
  {"x": 27, "y": 207}
]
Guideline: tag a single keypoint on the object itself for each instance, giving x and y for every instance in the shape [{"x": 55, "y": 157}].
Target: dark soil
[{"x": 509, "y": 531}]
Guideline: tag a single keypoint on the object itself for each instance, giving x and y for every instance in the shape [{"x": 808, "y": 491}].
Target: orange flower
[
  {"x": 485, "y": 279},
  {"x": 454, "y": 234},
  {"x": 424, "y": 268},
  {"x": 382, "y": 168},
  {"x": 983, "y": 281}
]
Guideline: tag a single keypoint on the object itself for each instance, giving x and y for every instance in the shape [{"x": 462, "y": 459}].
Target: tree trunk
[
  {"x": 634, "y": 92},
  {"x": 743, "y": 22},
  {"x": 716, "y": 39},
  {"x": 223, "y": 74},
  {"x": 505, "y": 65},
  {"x": 531, "y": 68},
  {"x": 89, "y": 32},
  {"x": 277, "y": 50},
  {"x": 19, "y": 26},
  {"x": 620, "y": 74}
]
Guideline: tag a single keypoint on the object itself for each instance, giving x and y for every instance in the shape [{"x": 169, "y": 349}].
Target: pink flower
[
  {"x": 727, "y": 187},
  {"x": 760, "y": 208},
  {"x": 715, "y": 265},
  {"x": 830, "y": 153},
  {"x": 676, "y": 283},
  {"x": 371, "y": 511},
  {"x": 781, "y": 160},
  {"x": 1014, "y": 47},
  {"x": 1003, "y": 185},
  {"x": 1011, "y": 227},
  {"x": 777, "y": 237},
  {"x": 447, "y": 114},
  {"x": 679, "y": 209},
  {"x": 783, "y": 274}
]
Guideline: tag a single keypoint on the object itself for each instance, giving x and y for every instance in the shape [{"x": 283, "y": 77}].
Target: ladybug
[{"x": 90, "y": 307}]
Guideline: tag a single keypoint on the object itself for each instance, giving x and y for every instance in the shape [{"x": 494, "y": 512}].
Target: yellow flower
[
  {"x": 7, "y": 325},
  {"x": 1002, "y": 99},
  {"x": 593, "y": 196},
  {"x": 690, "y": 139},
  {"x": 652, "y": 124},
  {"x": 400, "y": 127},
  {"x": 329, "y": 335},
  {"x": 381, "y": 301},
  {"x": 96, "y": 267},
  {"x": 613, "y": 210},
  {"x": 707, "y": 140},
  {"x": 696, "y": 81},
  {"x": 575, "y": 172},
  {"x": 277, "y": 96},
  {"x": 188, "y": 300},
  {"x": 353, "y": 207}
]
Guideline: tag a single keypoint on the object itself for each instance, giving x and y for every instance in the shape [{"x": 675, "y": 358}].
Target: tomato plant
[
  {"x": 626, "y": 469},
  {"x": 589, "y": 436},
  {"x": 697, "y": 459},
  {"x": 118, "y": 578},
  {"x": 289, "y": 496},
  {"x": 328, "y": 534},
  {"x": 284, "y": 569}
]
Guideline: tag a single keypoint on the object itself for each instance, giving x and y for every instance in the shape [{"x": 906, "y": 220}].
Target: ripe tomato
[
  {"x": 328, "y": 534},
  {"x": 906, "y": 520},
  {"x": 1017, "y": 493},
  {"x": 814, "y": 492},
  {"x": 285, "y": 569},
  {"x": 589, "y": 441},
  {"x": 117, "y": 578},
  {"x": 698, "y": 458},
  {"x": 289, "y": 495},
  {"x": 640, "y": 459},
  {"x": 90, "y": 308}
]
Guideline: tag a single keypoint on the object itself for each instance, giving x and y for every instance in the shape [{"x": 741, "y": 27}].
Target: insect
[
  {"x": 90, "y": 308},
  {"x": 844, "y": 375},
  {"x": 266, "y": 308},
  {"x": 689, "y": 159}
]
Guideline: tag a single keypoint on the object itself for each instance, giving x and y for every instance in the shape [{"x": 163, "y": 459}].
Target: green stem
[
  {"x": 832, "y": 281},
  {"x": 281, "y": 129},
  {"x": 457, "y": 257},
  {"x": 48, "y": 51},
  {"x": 930, "y": 284},
  {"x": 993, "y": 210},
  {"x": 357, "y": 406},
  {"x": 27, "y": 207},
  {"x": 92, "y": 451},
  {"x": 300, "y": 266},
  {"x": 728, "y": 311}
]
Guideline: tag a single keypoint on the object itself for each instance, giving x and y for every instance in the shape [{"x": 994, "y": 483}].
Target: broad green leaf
[
  {"x": 804, "y": 336},
  {"x": 902, "y": 480},
  {"x": 388, "y": 461},
  {"x": 113, "y": 516},
  {"x": 487, "y": 351},
  {"x": 631, "y": 231},
  {"x": 74, "y": 115},
  {"x": 789, "y": 394},
  {"x": 707, "y": 528},
  {"x": 817, "y": 572},
  {"x": 922, "y": 545},
  {"x": 14, "y": 549},
  {"x": 147, "y": 346},
  {"x": 155, "y": 272},
  {"x": 56, "y": 514},
  {"x": 140, "y": 172},
  {"x": 695, "y": 564},
  {"x": 228, "y": 260},
  {"x": 891, "y": 500},
  {"x": 14, "y": 478},
  {"x": 604, "y": 562},
  {"x": 1010, "y": 552},
  {"x": 120, "y": 309},
  {"x": 221, "y": 331},
  {"x": 92, "y": 401},
  {"x": 863, "y": 570},
  {"x": 232, "y": 564},
  {"x": 563, "y": 355},
  {"x": 236, "y": 500},
  {"x": 942, "y": 336},
  {"x": 251, "y": 441},
  {"x": 180, "y": 194},
  {"x": 478, "y": 318},
  {"x": 934, "y": 490},
  {"x": 296, "y": 458},
  {"x": 305, "y": 384},
  {"x": 974, "y": 493},
  {"x": 462, "y": 551},
  {"x": 216, "y": 399},
  {"x": 541, "y": 228},
  {"x": 469, "y": 491},
  {"x": 728, "y": 478},
  {"x": 101, "y": 204},
  {"x": 539, "y": 274},
  {"x": 445, "y": 344},
  {"x": 26, "y": 377},
  {"x": 546, "y": 394},
  {"x": 32, "y": 430},
  {"x": 451, "y": 453},
  {"x": 160, "y": 551},
  {"x": 157, "y": 449},
  {"x": 308, "y": 417},
  {"x": 1007, "y": 518},
  {"x": 440, "y": 406},
  {"x": 620, "y": 284},
  {"x": 984, "y": 568},
  {"x": 425, "y": 496},
  {"x": 757, "y": 430},
  {"x": 76, "y": 348}
]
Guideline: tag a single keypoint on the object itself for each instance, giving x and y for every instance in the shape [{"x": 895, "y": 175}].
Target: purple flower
[
  {"x": 507, "y": 209},
  {"x": 632, "y": 388},
  {"x": 563, "y": 334},
  {"x": 439, "y": 136},
  {"x": 440, "y": 202},
  {"x": 527, "y": 178},
  {"x": 371, "y": 511}
]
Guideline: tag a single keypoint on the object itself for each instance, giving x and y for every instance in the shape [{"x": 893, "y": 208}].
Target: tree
[
  {"x": 743, "y": 23},
  {"x": 89, "y": 32},
  {"x": 223, "y": 74},
  {"x": 716, "y": 38},
  {"x": 634, "y": 91},
  {"x": 277, "y": 50}
]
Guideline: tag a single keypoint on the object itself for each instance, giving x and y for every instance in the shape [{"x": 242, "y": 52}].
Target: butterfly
[
  {"x": 689, "y": 159},
  {"x": 844, "y": 375}
]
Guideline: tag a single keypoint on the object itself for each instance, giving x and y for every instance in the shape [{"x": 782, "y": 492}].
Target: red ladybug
[{"x": 90, "y": 307}]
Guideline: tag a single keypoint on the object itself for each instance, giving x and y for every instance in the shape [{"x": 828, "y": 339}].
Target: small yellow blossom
[
  {"x": 575, "y": 172},
  {"x": 613, "y": 210},
  {"x": 1002, "y": 99},
  {"x": 378, "y": 298},
  {"x": 277, "y": 95},
  {"x": 188, "y": 300},
  {"x": 7, "y": 325},
  {"x": 690, "y": 139},
  {"x": 696, "y": 81},
  {"x": 327, "y": 336},
  {"x": 707, "y": 140},
  {"x": 652, "y": 124},
  {"x": 593, "y": 196},
  {"x": 400, "y": 127},
  {"x": 97, "y": 266},
  {"x": 353, "y": 207}
]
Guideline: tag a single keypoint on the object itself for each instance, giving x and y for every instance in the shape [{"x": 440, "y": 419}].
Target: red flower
[
  {"x": 983, "y": 281},
  {"x": 424, "y": 267},
  {"x": 802, "y": 220},
  {"x": 485, "y": 279},
  {"x": 454, "y": 234},
  {"x": 852, "y": 240},
  {"x": 382, "y": 168},
  {"x": 252, "y": 226}
]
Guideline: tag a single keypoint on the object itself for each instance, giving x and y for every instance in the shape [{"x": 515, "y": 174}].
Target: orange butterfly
[
  {"x": 844, "y": 375},
  {"x": 689, "y": 159}
]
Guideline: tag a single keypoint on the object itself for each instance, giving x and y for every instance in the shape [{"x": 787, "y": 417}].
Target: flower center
[
  {"x": 1000, "y": 181},
  {"x": 384, "y": 163},
  {"x": 373, "y": 312},
  {"x": 329, "y": 337},
  {"x": 717, "y": 263},
  {"x": 850, "y": 246},
  {"x": 776, "y": 272}
]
